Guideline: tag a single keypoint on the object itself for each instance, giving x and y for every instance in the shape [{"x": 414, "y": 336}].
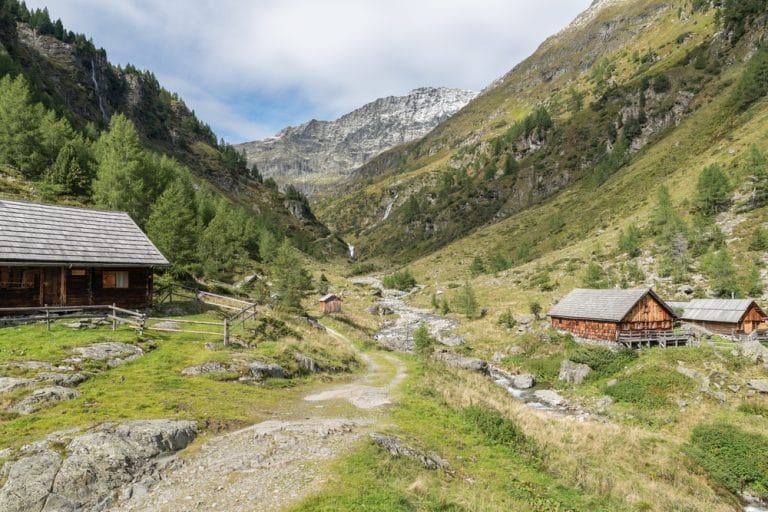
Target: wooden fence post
[
  {"x": 226, "y": 332},
  {"x": 142, "y": 321},
  {"x": 47, "y": 318},
  {"x": 114, "y": 318}
]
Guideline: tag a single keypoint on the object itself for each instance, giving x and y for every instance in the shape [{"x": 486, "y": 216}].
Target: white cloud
[{"x": 335, "y": 54}]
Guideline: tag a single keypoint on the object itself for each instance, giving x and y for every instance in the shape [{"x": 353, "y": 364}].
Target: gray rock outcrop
[
  {"x": 41, "y": 397},
  {"x": 114, "y": 353},
  {"x": 11, "y": 383},
  {"x": 63, "y": 379},
  {"x": 260, "y": 370},
  {"x": 573, "y": 373},
  {"x": 97, "y": 464},
  {"x": 759, "y": 385},
  {"x": 397, "y": 448},
  {"x": 454, "y": 360},
  {"x": 306, "y": 363},
  {"x": 549, "y": 397},
  {"x": 209, "y": 367},
  {"x": 524, "y": 381}
]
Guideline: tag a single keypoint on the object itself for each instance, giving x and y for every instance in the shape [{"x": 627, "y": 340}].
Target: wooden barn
[
  {"x": 61, "y": 256},
  {"x": 609, "y": 314},
  {"x": 330, "y": 304},
  {"x": 724, "y": 316}
]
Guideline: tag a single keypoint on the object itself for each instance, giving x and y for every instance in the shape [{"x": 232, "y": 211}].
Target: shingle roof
[
  {"x": 40, "y": 233},
  {"x": 728, "y": 311},
  {"x": 330, "y": 296},
  {"x": 610, "y": 305}
]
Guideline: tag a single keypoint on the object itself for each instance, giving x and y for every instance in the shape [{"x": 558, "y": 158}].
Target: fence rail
[{"x": 637, "y": 339}]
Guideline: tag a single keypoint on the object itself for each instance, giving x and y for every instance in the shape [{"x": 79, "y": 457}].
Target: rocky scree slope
[{"x": 323, "y": 152}]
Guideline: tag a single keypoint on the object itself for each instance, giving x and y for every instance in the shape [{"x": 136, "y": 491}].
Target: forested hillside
[{"x": 75, "y": 129}]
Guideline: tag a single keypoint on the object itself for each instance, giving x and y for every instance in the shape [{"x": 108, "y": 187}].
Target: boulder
[
  {"x": 759, "y": 385},
  {"x": 573, "y": 373},
  {"x": 29, "y": 482},
  {"x": 454, "y": 360},
  {"x": 42, "y": 396},
  {"x": 605, "y": 401},
  {"x": 63, "y": 379},
  {"x": 524, "y": 381},
  {"x": 209, "y": 367},
  {"x": 396, "y": 448},
  {"x": 754, "y": 350},
  {"x": 261, "y": 370},
  {"x": 380, "y": 310},
  {"x": 11, "y": 383},
  {"x": 549, "y": 397},
  {"x": 306, "y": 363}
]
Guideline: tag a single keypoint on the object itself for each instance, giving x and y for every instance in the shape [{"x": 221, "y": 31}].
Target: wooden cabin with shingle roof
[
  {"x": 609, "y": 314},
  {"x": 62, "y": 256},
  {"x": 729, "y": 317}
]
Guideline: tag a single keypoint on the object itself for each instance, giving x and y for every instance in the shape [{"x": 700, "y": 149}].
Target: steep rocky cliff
[{"x": 325, "y": 151}]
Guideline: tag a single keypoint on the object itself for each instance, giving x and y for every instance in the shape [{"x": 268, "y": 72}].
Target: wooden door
[{"x": 52, "y": 286}]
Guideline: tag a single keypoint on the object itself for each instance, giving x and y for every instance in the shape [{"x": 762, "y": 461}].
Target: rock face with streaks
[
  {"x": 96, "y": 465},
  {"x": 322, "y": 149}
]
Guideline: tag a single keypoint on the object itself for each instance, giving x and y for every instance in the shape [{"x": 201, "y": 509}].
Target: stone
[
  {"x": 759, "y": 385},
  {"x": 719, "y": 396},
  {"x": 11, "y": 383},
  {"x": 114, "y": 353},
  {"x": 605, "y": 401},
  {"x": 63, "y": 379},
  {"x": 396, "y": 448},
  {"x": 549, "y": 397},
  {"x": 260, "y": 370},
  {"x": 43, "y": 396},
  {"x": 573, "y": 373},
  {"x": 524, "y": 381},
  {"x": 611, "y": 383},
  {"x": 306, "y": 363},
  {"x": 29, "y": 482},
  {"x": 682, "y": 404},
  {"x": 754, "y": 350},
  {"x": 209, "y": 367},
  {"x": 454, "y": 360},
  {"x": 380, "y": 310}
]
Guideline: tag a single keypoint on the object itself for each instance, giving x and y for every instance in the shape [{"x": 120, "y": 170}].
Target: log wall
[
  {"x": 590, "y": 329},
  {"x": 647, "y": 315}
]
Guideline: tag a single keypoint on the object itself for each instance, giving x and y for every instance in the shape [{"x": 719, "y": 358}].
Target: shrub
[
  {"x": 506, "y": 319},
  {"x": 754, "y": 409},
  {"x": 466, "y": 302},
  {"x": 736, "y": 459},
  {"x": 402, "y": 280},
  {"x": 494, "y": 427},
  {"x": 603, "y": 361},
  {"x": 535, "y": 309},
  {"x": 661, "y": 84},
  {"x": 649, "y": 387},
  {"x": 423, "y": 341}
]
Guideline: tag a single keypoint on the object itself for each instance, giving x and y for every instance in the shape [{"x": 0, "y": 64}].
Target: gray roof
[
  {"x": 330, "y": 296},
  {"x": 727, "y": 311},
  {"x": 41, "y": 233},
  {"x": 610, "y": 305}
]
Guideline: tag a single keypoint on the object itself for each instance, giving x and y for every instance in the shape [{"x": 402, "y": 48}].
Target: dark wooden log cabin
[
  {"x": 60, "y": 256},
  {"x": 604, "y": 314},
  {"x": 330, "y": 304},
  {"x": 724, "y": 316}
]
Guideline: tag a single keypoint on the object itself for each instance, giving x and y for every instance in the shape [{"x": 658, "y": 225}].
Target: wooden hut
[
  {"x": 330, "y": 304},
  {"x": 608, "y": 314},
  {"x": 724, "y": 316},
  {"x": 61, "y": 256}
]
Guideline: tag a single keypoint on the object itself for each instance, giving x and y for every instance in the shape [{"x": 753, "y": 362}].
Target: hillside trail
[{"x": 269, "y": 465}]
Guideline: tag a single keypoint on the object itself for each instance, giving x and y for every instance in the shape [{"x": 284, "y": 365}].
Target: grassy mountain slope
[{"x": 594, "y": 100}]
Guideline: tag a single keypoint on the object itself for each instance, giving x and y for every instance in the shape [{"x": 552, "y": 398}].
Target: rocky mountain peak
[{"x": 326, "y": 151}]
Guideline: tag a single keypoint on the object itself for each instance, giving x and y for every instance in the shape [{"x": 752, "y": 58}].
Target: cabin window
[
  {"x": 17, "y": 279},
  {"x": 115, "y": 279},
  {"x": 77, "y": 272}
]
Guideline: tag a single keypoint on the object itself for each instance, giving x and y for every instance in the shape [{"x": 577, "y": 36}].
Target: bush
[
  {"x": 753, "y": 409},
  {"x": 506, "y": 319},
  {"x": 494, "y": 427},
  {"x": 423, "y": 341},
  {"x": 649, "y": 387},
  {"x": 736, "y": 459},
  {"x": 603, "y": 361},
  {"x": 661, "y": 84},
  {"x": 402, "y": 280}
]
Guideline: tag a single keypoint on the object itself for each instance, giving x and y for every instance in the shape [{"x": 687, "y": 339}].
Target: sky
[{"x": 251, "y": 68}]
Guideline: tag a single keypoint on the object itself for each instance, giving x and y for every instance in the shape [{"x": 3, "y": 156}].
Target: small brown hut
[
  {"x": 330, "y": 304},
  {"x": 61, "y": 256},
  {"x": 605, "y": 314},
  {"x": 724, "y": 316}
]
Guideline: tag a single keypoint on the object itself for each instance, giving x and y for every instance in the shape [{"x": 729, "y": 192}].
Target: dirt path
[{"x": 277, "y": 462}]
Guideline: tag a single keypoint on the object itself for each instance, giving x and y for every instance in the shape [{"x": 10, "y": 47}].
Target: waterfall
[
  {"x": 389, "y": 207},
  {"x": 98, "y": 93},
  {"x": 351, "y": 249}
]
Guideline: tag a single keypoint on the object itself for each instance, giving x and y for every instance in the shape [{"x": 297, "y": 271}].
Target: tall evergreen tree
[
  {"x": 755, "y": 165},
  {"x": 19, "y": 123},
  {"x": 289, "y": 277},
  {"x": 73, "y": 169},
  {"x": 172, "y": 224},
  {"x": 713, "y": 191}
]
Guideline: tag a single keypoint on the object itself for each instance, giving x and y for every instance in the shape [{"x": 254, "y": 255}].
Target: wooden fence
[{"x": 639, "y": 339}]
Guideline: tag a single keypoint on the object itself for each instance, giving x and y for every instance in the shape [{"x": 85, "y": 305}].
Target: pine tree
[
  {"x": 595, "y": 276},
  {"x": 722, "y": 274},
  {"x": 629, "y": 241},
  {"x": 755, "y": 165},
  {"x": 172, "y": 224},
  {"x": 19, "y": 127},
  {"x": 477, "y": 267},
  {"x": 466, "y": 302},
  {"x": 713, "y": 191},
  {"x": 754, "y": 282},
  {"x": 290, "y": 279},
  {"x": 73, "y": 169},
  {"x": 220, "y": 248}
]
